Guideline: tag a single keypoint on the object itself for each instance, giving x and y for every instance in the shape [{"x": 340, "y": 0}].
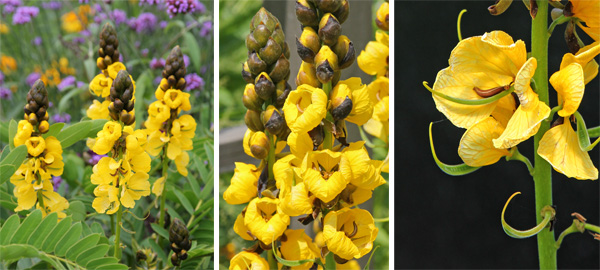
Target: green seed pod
[
  {"x": 344, "y": 51},
  {"x": 259, "y": 145},
  {"x": 256, "y": 64},
  {"x": 306, "y": 13},
  {"x": 329, "y": 5},
  {"x": 280, "y": 70},
  {"x": 264, "y": 86},
  {"x": 308, "y": 44},
  {"x": 271, "y": 52},
  {"x": 250, "y": 99},
  {"x": 327, "y": 64},
  {"x": 341, "y": 110},
  {"x": 307, "y": 75},
  {"x": 174, "y": 68},
  {"x": 329, "y": 29},
  {"x": 252, "y": 119},
  {"x": 109, "y": 44},
  {"x": 246, "y": 73},
  {"x": 342, "y": 13}
]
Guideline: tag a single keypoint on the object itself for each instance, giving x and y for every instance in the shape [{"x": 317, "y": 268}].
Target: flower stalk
[
  {"x": 165, "y": 172},
  {"x": 118, "y": 234}
]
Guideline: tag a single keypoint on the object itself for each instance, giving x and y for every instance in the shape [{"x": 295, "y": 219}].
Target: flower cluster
[
  {"x": 488, "y": 89},
  {"x": 33, "y": 179},
  {"x": 167, "y": 130}
]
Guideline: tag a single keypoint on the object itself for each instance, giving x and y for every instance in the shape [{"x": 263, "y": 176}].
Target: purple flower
[
  {"x": 144, "y": 52},
  {"x": 85, "y": 33},
  {"x": 56, "y": 182},
  {"x": 5, "y": 93},
  {"x": 175, "y": 7},
  {"x": 1, "y": 77},
  {"x": 200, "y": 8},
  {"x": 100, "y": 17},
  {"x": 94, "y": 158},
  {"x": 146, "y": 22},
  {"x": 157, "y": 63},
  {"x": 50, "y": 104},
  {"x": 203, "y": 69},
  {"x": 23, "y": 15},
  {"x": 84, "y": 1},
  {"x": 54, "y": 5},
  {"x": 119, "y": 16},
  {"x": 62, "y": 119},
  {"x": 194, "y": 82},
  {"x": 78, "y": 40},
  {"x": 36, "y": 41},
  {"x": 66, "y": 82},
  {"x": 186, "y": 60},
  {"x": 10, "y": 5},
  {"x": 157, "y": 80},
  {"x": 80, "y": 84},
  {"x": 163, "y": 24},
  {"x": 149, "y": 2},
  {"x": 31, "y": 78},
  {"x": 206, "y": 29}
]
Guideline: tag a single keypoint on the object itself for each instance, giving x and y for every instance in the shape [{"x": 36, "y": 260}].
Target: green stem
[
  {"x": 516, "y": 155},
  {"x": 330, "y": 262},
  {"x": 592, "y": 227},
  {"x": 271, "y": 155},
  {"x": 542, "y": 175},
  {"x": 271, "y": 259},
  {"x": 194, "y": 216},
  {"x": 163, "y": 196},
  {"x": 328, "y": 139},
  {"x": 118, "y": 234}
]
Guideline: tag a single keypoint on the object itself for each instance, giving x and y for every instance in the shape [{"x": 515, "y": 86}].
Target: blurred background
[
  {"x": 454, "y": 222},
  {"x": 234, "y": 26}
]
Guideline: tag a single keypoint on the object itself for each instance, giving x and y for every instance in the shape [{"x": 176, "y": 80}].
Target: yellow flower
[
  {"x": 248, "y": 260},
  {"x": 300, "y": 143},
  {"x": 53, "y": 202},
  {"x": 321, "y": 175},
  {"x": 362, "y": 107},
  {"x": 133, "y": 188},
  {"x": 4, "y": 29},
  {"x": 294, "y": 199},
  {"x": 101, "y": 84},
  {"x": 243, "y": 185},
  {"x": 296, "y": 245},
  {"x": 24, "y": 130},
  {"x": 358, "y": 168},
  {"x": 158, "y": 113},
  {"x": 158, "y": 186},
  {"x": 589, "y": 12},
  {"x": 305, "y": 108},
  {"x": 52, "y": 159},
  {"x": 569, "y": 84},
  {"x": 240, "y": 228},
  {"x": 176, "y": 99},
  {"x": 264, "y": 220},
  {"x": 7, "y": 64},
  {"x": 105, "y": 172},
  {"x": 156, "y": 140},
  {"x": 560, "y": 147},
  {"x": 374, "y": 59},
  {"x": 73, "y": 22},
  {"x": 107, "y": 137},
  {"x": 349, "y": 233},
  {"x": 24, "y": 180},
  {"x": 585, "y": 58},
  {"x": 353, "y": 195},
  {"x": 107, "y": 199},
  {"x": 181, "y": 162},
  {"x": 383, "y": 16},
  {"x": 98, "y": 110},
  {"x": 476, "y": 147},
  {"x": 35, "y": 146},
  {"x": 378, "y": 129}
]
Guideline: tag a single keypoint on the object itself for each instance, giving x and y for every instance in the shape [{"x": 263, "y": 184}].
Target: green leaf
[
  {"x": 193, "y": 183},
  {"x": 97, "y": 228},
  {"x": 583, "y": 135},
  {"x": 42, "y": 230},
  {"x": 90, "y": 68},
  {"x": 12, "y": 130},
  {"x": 97, "y": 125},
  {"x": 94, "y": 264},
  {"x": 113, "y": 266},
  {"x": 14, "y": 252},
  {"x": 184, "y": 201},
  {"x": 77, "y": 209},
  {"x": 92, "y": 253},
  {"x": 193, "y": 49},
  {"x": 8, "y": 229},
  {"x": 174, "y": 23},
  {"x": 68, "y": 240},
  {"x": 65, "y": 101},
  {"x": 81, "y": 245},
  {"x": 56, "y": 234},
  {"x": 12, "y": 161},
  {"x": 208, "y": 147},
  {"x": 74, "y": 133},
  {"x": 454, "y": 170},
  {"x": 27, "y": 227},
  {"x": 160, "y": 230},
  {"x": 198, "y": 252},
  {"x": 5, "y": 152},
  {"x": 159, "y": 250},
  {"x": 54, "y": 130},
  {"x": 143, "y": 83}
]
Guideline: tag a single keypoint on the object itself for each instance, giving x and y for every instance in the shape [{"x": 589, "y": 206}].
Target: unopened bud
[
  {"x": 496, "y": 9},
  {"x": 175, "y": 259},
  {"x": 263, "y": 17},
  {"x": 329, "y": 29},
  {"x": 178, "y": 231},
  {"x": 255, "y": 64},
  {"x": 140, "y": 256},
  {"x": 183, "y": 255},
  {"x": 571, "y": 38},
  {"x": 329, "y": 5},
  {"x": 344, "y": 51},
  {"x": 264, "y": 86},
  {"x": 281, "y": 70},
  {"x": 246, "y": 73},
  {"x": 282, "y": 94},
  {"x": 43, "y": 127},
  {"x": 259, "y": 145},
  {"x": 308, "y": 44},
  {"x": 250, "y": 99},
  {"x": 273, "y": 120},
  {"x": 382, "y": 18},
  {"x": 307, "y": 75},
  {"x": 270, "y": 52},
  {"x": 252, "y": 120},
  {"x": 556, "y": 13},
  {"x": 342, "y": 13},
  {"x": 261, "y": 35},
  {"x": 306, "y": 13},
  {"x": 327, "y": 64},
  {"x": 341, "y": 101},
  {"x": 317, "y": 134}
]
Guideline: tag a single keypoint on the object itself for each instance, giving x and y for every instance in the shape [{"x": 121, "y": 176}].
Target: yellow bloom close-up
[
  {"x": 107, "y": 137},
  {"x": 349, "y": 233},
  {"x": 243, "y": 185},
  {"x": 248, "y": 260},
  {"x": 374, "y": 59},
  {"x": 589, "y": 12},
  {"x": 296, "y": 245},
  {"x": 322, "y": 176},
  {"x": 305, "y": 108},
  {"x": 264, "y": 220}
]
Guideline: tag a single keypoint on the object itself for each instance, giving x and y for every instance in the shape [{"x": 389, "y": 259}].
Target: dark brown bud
[
  {"x": 273, "y": 120},
  {"x": 140, "y": 256},
  {"x": 308, "y": 44},
  {"x": 252, "y": 119},
  {"x": 306, "y": 13},
  {"x": 264, "y": 86},
  {"x": 317, "y": 134},
  {"x": 178, "y": 231},
  {"x": 183, "y": 255},
  {"x": 325, "y": 72},
  {"x": 329, "y": 5},
  {"x": 307, "y": 75},
  {"x": 282, "y": 95},
  {"x": 281, "y": 70},
  {"x": 342, "y": 110},
  {"x": 175, "y": 248},
  {"x": 568, "y": 10},
  {"x": 250, "y": 99},
  {"x": 271, "y": 52},
  {"x": 109, "y": 44},
  {"x": 571, "y": 38},
  {"x": 175, "y": 259},
  {"x": 174, "y": 66},
  {"x": 121, "y": 92},
  {"x": 185, "y": 244},
  {"x": 246, "y": 73},
  {"x": 256, "y": 64},
  {"x": 329, "y": 29},
  {"x": 344, "y": 51},
  {"x": 259, "y": 145},
  {"x": 342, "y": 13}
]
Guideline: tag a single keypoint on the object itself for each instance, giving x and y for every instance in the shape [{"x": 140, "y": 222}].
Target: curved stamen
[{"x": 490, "y": 92}]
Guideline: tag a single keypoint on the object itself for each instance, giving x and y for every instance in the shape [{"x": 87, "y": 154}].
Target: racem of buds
[
  {"x": 36, "y": 109},
  {"x": 108, "y": 52},
  {"x": 122, "y": 99}
]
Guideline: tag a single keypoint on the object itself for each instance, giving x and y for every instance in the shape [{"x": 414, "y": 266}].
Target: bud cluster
[
  {"x": 322, "y": 47},
  {"x": 122, "y": 99},
  {"x": 36, "y": 109},
  {"x": 179, "y": 236},
  {"x": 108, "y": 52}
]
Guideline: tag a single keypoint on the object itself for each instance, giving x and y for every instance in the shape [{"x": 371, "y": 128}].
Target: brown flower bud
[
  {"x": 278, "y": 35},
  {"x": 264, "y": 86},
  {"x": 282, "y": 94},
  {"x": 342, "y": 13},
  {"x": 571, "y": 38},
  {"x": 270, "y": 52},
  {"x": 307, "y": 75},
  {"x": 250, "y": 99},
  {"x": 263, "y": 17},
  {"x": 342, "y": 110},
  {"x": 140, "y": 256},
  {"x": 174, "y": 66},
  {"x": 329, "y": 29},
  {"x": 252, "y": 119},
  {"x": 261, "y": 35},
  {"x": 259, "y": 145},
  {"x": 344, "y": 51},
  {"x": 281, "y": 70},
  {"x": 306, "y": 13},
  {"x": 175, "y": 259},
  {"x": 178, "y": 231},
  {"x": 251, "y": 43},
  {"x": 329, "y": 5},
  {"x": 308, "y": 44},
  {"x": 273, "y": 120},
  {"x": 327, "y": 64},
  {"x": 109, "y": 44},
  {"x": 317, "y": 134},
  {"x": 44, "y": 126},
  {"x": 183, "y": 255},
  {"x": 246, "y": 73},
  {"x": 256, "y": 64}
]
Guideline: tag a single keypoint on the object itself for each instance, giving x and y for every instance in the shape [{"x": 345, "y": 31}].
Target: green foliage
[
  {"x": 10, "y": 162},
  {"x": 62, "y": 245}
]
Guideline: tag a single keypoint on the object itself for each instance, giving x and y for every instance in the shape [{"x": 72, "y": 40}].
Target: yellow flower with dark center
[
  {"x": 107, "y": 137},
  {"x": 296, "y": 245},
  {"x": 98, "y": 110},
  {"x": 305, "y": 108},
  {"x": 7, "y": 64},
  {"x": 322, "y": 176},
  {"x": 105, "y": 172},
  {"x": 264, "y": 220},
  {"x": 101, "y": 84},
  {"x": 349, "y": 233},
  {"x": 362, "y": 107},
  {"x": 560, "y": 147},
  {"x": 353, "y": 195},
  {"x": 357, "y": 167},
  {"x": 248, "y": 260},
  {"x": 294, "y": 199},
  {"x": 589, "y": 12},
  {"x": 52, "y": 159},
  {"x": 35, "y": 146},
  {"x": 374, "y": 59},
  {"x": 158, "y": 113},
  {"x": 24, "y": 130},
  {"x": 243, "y": 185},
  {"x": 176, "y": 99},
  {"x": 476, "y": 148}
]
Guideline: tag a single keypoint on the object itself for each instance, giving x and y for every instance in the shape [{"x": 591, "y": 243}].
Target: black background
[{"x": 454, "y": 222}]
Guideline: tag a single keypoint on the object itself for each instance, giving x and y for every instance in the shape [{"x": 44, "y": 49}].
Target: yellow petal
[
  {"x": 568, "y": 82},
  {"x": 265, "y": 220},
  {"x": 248, "y": 260},
  {"x": 158, "y": 186},
  {"x": 338, "y": 225},
  {"x": 476, "y": 148},
  {"x": 584, "y": 57},
  {"x": 305, "y": 108},
  {"x": 373, "y": 60},
  {"x": 522, "y": 125},
  {"x": 243, "y": 185},
  {"x": 560, "y": 147},
  {"x": 240, "y": 228},
  {"x": 300, "y": 143},
  {"x": 181, "y": 163},
  {"x": 295, "y": 200},
  {"x": 299, "y": 246},
  {"x": 589, "y": 12},
  {"x": 527, "y": 97}
]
